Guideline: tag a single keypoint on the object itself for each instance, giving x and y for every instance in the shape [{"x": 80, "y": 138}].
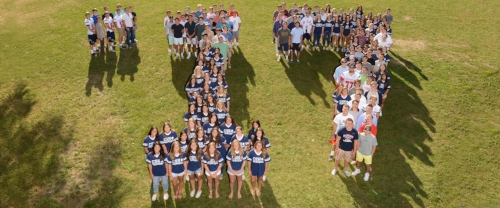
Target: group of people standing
[
  {"x": 121, "y": 20},
  {"x": 328, "y": 28},
  {"x": 211, "y": 143}
]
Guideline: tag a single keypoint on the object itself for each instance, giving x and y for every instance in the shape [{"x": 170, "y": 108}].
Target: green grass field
[{"x": 72, "y": 126}]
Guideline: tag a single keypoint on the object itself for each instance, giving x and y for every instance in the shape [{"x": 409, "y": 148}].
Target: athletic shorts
[
  {"x": 236, "y": 34},
  {"x": 121, "y": 32},
  {"x": 367, "y": 158},
  {"x": 111, "y": 36},
  {"x": 283, "y": 47},
  {"x": 171, "y": 40},
  {"x": 344, "y": 154},
  {"x": 231, "y": 173},
  {"x": 347, "y": 33},
  {"x": 197, "y": 172},
  {"x": 213, "y": 173},
  {"x": 295, "y": 47},
  {"x": 92, "y": 39},
  {"x": 178, "y": 174},
  {"x": 306, "y": 36},
  {"x": 178, "y": 41},
  {"x": 336, "y": 34},
  {"x": 191, "y": 41}
]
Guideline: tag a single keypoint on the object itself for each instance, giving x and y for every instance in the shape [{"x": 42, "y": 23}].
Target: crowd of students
[
  {"x": 329, "y": 29},
  {"x": 211, "y": 143},
  {"x": 122, "y": 20}
]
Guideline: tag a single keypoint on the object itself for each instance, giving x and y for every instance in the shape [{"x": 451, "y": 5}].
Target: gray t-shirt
[
  {"x": 283, "y": 35},
  {"x": 388, "y": 18},
  {"x": 366, "y": 143}
]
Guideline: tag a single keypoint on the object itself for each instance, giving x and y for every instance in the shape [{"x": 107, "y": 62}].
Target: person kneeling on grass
[
  {"x": 367, "y": 146},
  {"x": 258, "y": 164},
  {"x": 158, "y": 170}
]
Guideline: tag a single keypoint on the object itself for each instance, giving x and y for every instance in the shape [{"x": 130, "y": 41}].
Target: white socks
[{"x": 332, "y": 153}]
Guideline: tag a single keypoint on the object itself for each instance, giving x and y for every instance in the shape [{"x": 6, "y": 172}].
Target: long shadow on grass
[
  {"x": 182, "y": 69},
  {"x": 305, "y": 75},
  {"x": 99, "y": 66},
  {"x": 402, "y": 135},
  {"x": 128, "y": 62},
  {"x": 30, "y": 161},
  {"x": 237, "y": 78}
]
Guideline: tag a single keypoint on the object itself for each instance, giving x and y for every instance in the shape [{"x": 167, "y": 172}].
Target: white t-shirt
[
  {"x": 89, "y": 23},
  {"x": 183, "y": 23},
  {"x": 210, "y": 15},
  {"x": 165, "y": 22},
  {"x": 378, "y": 37},
  {"x": 236, "y": 23},
  {"x": 362, "y": 102},
  {"x": 376, "y": 109},
  {"x": 215, "y": 39},
  {"x": 108, "y": 23},
  {"x": 296, "y": 33},
  {"x": 340, "y": 120},
  {"x": 128, "y": 19},
  {"x": 307, "y": 23},
  {"x": 348, "y": 80},
  {"x": 118, "y": 21}
]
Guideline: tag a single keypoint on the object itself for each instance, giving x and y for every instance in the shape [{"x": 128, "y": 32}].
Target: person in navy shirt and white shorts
[
  {"x": 194, "y": 168},
  {"x": 236, "y": 164},
  {"x": 212, "y": 161},
  {"x": 258, "y": 163},
  {"x": 177, "y": 168}
]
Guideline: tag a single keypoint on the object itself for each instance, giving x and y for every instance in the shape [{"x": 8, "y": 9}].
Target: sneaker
[
  {"x": 130, "y": 47},
  {"x": 291, "y": 61},
  {"x": 189, "y": 56},
  {"x": 298, "y": 61},
  {"x": 112, "y": 50},
  {"x": 331, "y": 158},
  {"x": 153, "y": 198},
  {"x": 367, "y": 177},
  {"x": 198, "y": 194},
  {"x": 324, "y": 48},
  {"x": 165, "y": 196},
  {"x": 192, "y": 193},
  {"x": 356, "y": 172},
  {"x": 229, "y": 65},
  {"x": 277, "y": 55},
  {"x": 195, "y": 55},
  {"x": 176, "y": 55},
  {"x": 347, "y": 173},
  {"x": 279, "y": 58},
  {"x": 264, "y": 178},
  {"x": 337, "y": 49},
  {"x": 334, "y": 171}
]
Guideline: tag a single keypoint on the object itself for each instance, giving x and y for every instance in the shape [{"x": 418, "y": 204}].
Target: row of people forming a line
[
  {"x": 123, "y": 21},
  {"x": 188, "y": 29},
  {"x": 210, "y": 150}
]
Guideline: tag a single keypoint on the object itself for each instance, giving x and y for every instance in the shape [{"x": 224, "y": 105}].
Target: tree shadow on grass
[
  {"x": 98, "y": 66},
  {"x": 30, "y": 161},
  {"x": 128, "y": 62},
  {"x": 305, "y": 75},
  {"x": 402, "y": 135}
]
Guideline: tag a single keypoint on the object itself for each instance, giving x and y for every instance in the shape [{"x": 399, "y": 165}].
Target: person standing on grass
[
  {"x": 120, "y": 26},
  {"x": 167, "y": 137},
  {"x": 307, "y": 23},
  {"x": 368, "y": 122},
  {"x": 348, "y": 78},
  {"x": 339, "y": 70},
  {"x": 318, "y": 29},
  {"x": 236, "y": 26},
  {"x": 149, "y": 140},
  {"x": 367, "y": 147},
  {"x": 100, "y": 34},
  {"x": 177, "y": 166},
  {"x": 134, "y": 20},
  {"x": 167, "y": 23},
  {"x": 194, "y": 168},
  {"x": 128, "y": 21},
  {"x": 224, "y": 50},
  {"x": 388, "y": 17},
  {"x": 362, "y": 117},
  {"x": 199, "y": 29},
  {"x": 284, "y": 39},
  {"x": 190, "y": 30},
  {"x": 158, "y": 170},
  {"x": 278, "y": 24},
  {"x": 339, "y": 123},
  {"x": 110, "y": 30},
  {"x": 91, "y": 32},
  {"x": 296, "y": 37},
  {"x": 341, "y": 100},
  {"x": 258, "y": 165},
  {"x": 347, "y": 146},
  {"x": 229, "y": 40},
  {"x": 236, "y": 158},
  {"x": 177, "y": 30},
  {"x": 212, "y": 162}
]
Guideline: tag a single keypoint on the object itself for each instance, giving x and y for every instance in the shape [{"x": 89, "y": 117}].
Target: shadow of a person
[
  {"x": 128, "y": 62},
  {"x": 95, "y": 74}
]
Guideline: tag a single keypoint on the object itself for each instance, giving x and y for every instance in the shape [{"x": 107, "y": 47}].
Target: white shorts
[
  {"x": 191, "y": 41},
  {"x": 197, "y": 172},
  {"x": 231, "y": 173},
  {"x": 171, "y": 40},
  {"x": 178, "y": 41},
  {"x": 336, "y": 34},
  {"x": 178, "y": 174},
  {"x": 213, "y": 173}
]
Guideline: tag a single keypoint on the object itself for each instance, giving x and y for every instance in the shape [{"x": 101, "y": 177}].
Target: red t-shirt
[{"x": 374, "y": 129}]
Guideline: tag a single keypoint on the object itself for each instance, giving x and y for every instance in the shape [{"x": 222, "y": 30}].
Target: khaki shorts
[
  {"x": 344, "y": 154},
  {"x": 121, "y": 32},
  {"x": 360, "y": 157}
]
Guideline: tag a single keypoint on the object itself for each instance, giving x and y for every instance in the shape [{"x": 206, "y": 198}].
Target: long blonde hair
[
  {"x": 198, "y": 72},
  {"x": 223, "y": 106},
  {"x": 216, "y": 152},
  {"x": 233, "y": 154},
  {"x": 171, "y": 154}
]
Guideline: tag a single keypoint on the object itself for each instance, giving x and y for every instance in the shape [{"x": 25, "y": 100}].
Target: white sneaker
[
  {"x": 367, "y": 177},
  {"x": 277, "y": 55},
  {"x": 195, "y": 55},
  {"x": 356, "y": 172},
  {"x": 176, "y": 55},
  {"x": 264, "y": 178},
  {"x": 279, "y": 58},
  {"x": 334, "y": 171},
  {"x": 189, "y": 56},
  {"x": 153, "y": 198},
  {"x": 198, "y": 194},
  {"x": 337, "y": 49},
  {"x": 347, "y": 173},
  {"x": 192, "y": 193},
  {"x": 182, "y": 55},
  {"x": 165, "y": 196}
]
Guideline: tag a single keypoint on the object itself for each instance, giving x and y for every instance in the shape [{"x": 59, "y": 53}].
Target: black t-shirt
[
  {"x": 190, "y": 27},
  {"x": 110, "y": 14},
  {"x": 133, "y": 14},
  {"x": 371, "y": 61},
  {"x": 178, "y": 30}
]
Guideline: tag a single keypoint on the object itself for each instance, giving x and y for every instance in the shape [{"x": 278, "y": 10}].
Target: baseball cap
[
  {"x": 368, "y": 128},
  {"x": 187, "y": 7}
]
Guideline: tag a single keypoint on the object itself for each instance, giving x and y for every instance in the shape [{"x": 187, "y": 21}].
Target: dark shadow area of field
[
  {"x": 30, "y": 148},
  {"x": 128, "y": 61},
  {"x": 306, "y": 79},
  {"x": 182, "y": 69},
  {"x": 401, "y": 134},
  {"x": 100, "y": 66}
]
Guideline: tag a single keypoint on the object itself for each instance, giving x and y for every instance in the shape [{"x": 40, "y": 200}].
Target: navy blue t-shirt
[
  {"x": 194, "y": 164},
  {"x": 168, "y": 138},
  {"x": 341, "y": 101},
  {"x": 158, "y": 165},
  {"x": 208, "y": 129},
  {"x": 177, "y": 163},
  {"x": 258, "y": 163},
  {"x": 212, "y": 163},
  {"x": 347, "y": 139},
  {"x": 227, "y": 132},
  {"x": 237, "y": 161}
]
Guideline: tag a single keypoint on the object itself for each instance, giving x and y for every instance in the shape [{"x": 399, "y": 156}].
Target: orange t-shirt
[{"x": 374, "y": 129}]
